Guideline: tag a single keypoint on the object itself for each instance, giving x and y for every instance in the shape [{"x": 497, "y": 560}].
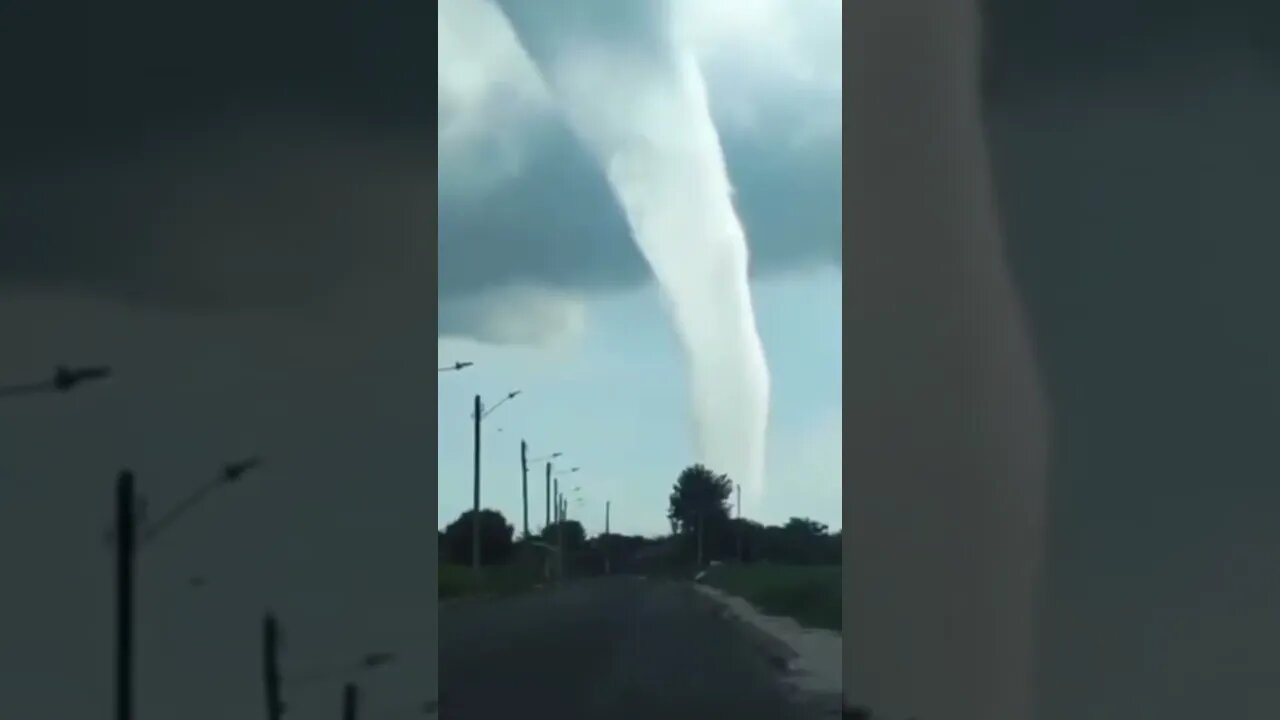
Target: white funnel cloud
[{"x": 633, "y": 92}]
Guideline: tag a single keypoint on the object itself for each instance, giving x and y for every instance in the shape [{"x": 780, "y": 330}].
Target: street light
[
  {"x": 64, "y": 380},
  {"x": 486, "y": 413},
  {"x": 478, "y": 414},
  {"x": 230, "y": 474},
  {"x": 455, "y": 367},
  {"x": 127, "y": 542},
  {"x": 524, "y": 481}
]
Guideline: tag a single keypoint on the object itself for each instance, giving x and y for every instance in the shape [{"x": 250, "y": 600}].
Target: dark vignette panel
[{"x": 226, "y": 204}]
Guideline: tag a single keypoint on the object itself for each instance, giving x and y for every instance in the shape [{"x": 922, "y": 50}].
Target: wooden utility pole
[
  {"x": 524, "y": 482},
  {"x": 271, "y": 667},
  {"x": 475, "y": 492},
  {"x": 556, "y": 487},
  {"x": 560, "y": 529},
  {"x": 126, "y": 545},
  {"x": 350, "y": 697},
  {"x": 548, "y": 491}
]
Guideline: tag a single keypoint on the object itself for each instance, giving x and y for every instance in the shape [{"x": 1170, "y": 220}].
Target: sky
[
  {"x": 543, "y": 288},
  {"x": 614, "y": 403},
  {"x": 231, "y": 205}
]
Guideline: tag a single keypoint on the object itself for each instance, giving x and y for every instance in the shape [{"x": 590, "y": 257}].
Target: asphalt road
[{"x": 622, "y": 648}]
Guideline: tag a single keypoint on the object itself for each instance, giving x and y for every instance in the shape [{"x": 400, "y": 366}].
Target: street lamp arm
[
  {"x": 498, "y": 404},
  {"x": 64, "y": 379},
  {"x": 231, "y": 472},
  {"x": 183, "y": 506}
]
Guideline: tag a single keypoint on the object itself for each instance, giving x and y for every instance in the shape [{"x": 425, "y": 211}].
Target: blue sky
[
  {"x": 614, "y": 402},
  {"x": 542, "y": 285}
]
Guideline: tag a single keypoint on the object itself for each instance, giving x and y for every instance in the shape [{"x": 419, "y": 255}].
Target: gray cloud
[
  {"x": 521, "y": 202},
  {"x": 191, "y": 159},
  {"x": 199, "y": 159}
]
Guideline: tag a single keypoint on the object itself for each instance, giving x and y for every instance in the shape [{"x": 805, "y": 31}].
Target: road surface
[{"x": 622, "y": 647}]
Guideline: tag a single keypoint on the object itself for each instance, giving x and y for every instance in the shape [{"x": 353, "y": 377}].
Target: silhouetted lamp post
[
  {"x": 524, "y": 473},
  {"x": 126, "y": 544},
  {"x": 478, "y": 414}
]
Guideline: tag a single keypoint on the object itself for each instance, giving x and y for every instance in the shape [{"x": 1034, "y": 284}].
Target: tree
[
  {"x": 699, "y": 495},
  {"x": 699, "y": 512},
  {"x": 801, "y": 541},
  {"x": 575, "y": 536},
  {"x": 804, "y": 527},
  {"x": 496, "y": 536}
]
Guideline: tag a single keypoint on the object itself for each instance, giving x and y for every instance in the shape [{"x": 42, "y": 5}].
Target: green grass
[
  {"x": 810, "y": 594},
  {"x": 494, "y": 580}
]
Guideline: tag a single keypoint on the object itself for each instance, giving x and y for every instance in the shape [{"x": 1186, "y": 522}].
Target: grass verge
[
  {"x": 810, "y": 594},
  {"x": 494, "y": 580}
]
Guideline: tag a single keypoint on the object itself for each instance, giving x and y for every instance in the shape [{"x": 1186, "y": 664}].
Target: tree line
[{"x": 703, "y": 529}]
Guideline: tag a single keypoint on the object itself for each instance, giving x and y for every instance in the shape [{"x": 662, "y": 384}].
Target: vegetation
[
  {"x": 808, "y": 593},
  {"x": 698, "y": 510},
  {"x": 575, "y": 536},
  {"x": 791, "y": 569},
  {"x": 496, "y": 539},
  {"x": 494, "y": 580}
]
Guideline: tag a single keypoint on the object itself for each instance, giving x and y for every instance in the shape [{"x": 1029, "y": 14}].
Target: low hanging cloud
[{"x": 521, "y": 200}]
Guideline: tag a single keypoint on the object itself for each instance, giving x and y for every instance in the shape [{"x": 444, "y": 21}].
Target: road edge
[{"x": 781, "y": 650}]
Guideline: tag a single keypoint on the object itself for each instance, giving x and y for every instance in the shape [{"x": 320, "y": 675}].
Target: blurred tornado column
[{"x": 945, "y": 459}]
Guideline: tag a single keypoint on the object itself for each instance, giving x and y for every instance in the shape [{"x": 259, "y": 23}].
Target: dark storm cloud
[
  {"x": 558, "y": 223},
  {"x": 227, "y": 153},
  {"x": 542, "y": 214}
]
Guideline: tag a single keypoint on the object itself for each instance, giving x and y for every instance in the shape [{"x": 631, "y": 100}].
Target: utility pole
[
  {"x": 475, "y": 499},
  {"x": 126, "y": 536},
  {"x": 560, "y": 529},
  {"x": 604, "y": 541},
  {"x": 349, "y": 701},
  {"x": 271, "y": 666},
  {"x": 524, "y": 482},
  {"x": 556, "y": 485},
  {"x": 548, "y": 495}
]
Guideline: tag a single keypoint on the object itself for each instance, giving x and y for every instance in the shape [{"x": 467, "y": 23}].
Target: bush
[{"x": 496, "y": 538}]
